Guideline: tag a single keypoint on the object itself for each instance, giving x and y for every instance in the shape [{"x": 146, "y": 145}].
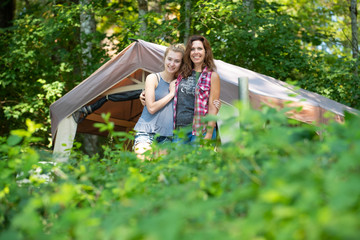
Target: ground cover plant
[{"x": 277, "y": 179}]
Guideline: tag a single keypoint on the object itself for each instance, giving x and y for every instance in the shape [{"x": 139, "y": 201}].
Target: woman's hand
[
  {"x": 214, "y": 103},
  {"x": 142, "y": 98},
  {"x": 208, "y": 135},
  {"x": 172, "y": 87},
  {"x": 148, "y": 98},
  {"x": 217, "y": 104}
]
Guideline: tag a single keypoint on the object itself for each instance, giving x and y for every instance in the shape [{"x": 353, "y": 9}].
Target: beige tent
[{"x": 115, "y": 88}]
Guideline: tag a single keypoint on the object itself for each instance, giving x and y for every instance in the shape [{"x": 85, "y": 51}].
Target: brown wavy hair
[{"x": 188, "y": 65}]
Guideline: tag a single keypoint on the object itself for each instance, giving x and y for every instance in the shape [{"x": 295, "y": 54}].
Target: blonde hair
[{"x": 178, "y": 47}]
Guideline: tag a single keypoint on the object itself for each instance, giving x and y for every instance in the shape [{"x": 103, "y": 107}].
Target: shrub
[{"x": 275, "y": 180}]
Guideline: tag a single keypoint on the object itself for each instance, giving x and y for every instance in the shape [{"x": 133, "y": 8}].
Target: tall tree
[
  {"x": 354, "y": 31},
  {"x": 249, "y": 5},
  {"x": 187, "y": 20},
  {"x": 155, "y": 5},
  {"x": 87, "y": 28},
  {"x": 7, "y": 10},
  {"x": 143, "y": 10}
]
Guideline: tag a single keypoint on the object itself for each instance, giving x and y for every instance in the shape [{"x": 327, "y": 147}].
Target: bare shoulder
[
  {"x": 151, "y": 77},
  {"x": 151, "y": 80},
  {"x": 215, "y": 76}
]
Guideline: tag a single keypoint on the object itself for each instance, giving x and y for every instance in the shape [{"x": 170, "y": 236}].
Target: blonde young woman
[{"x": 156, "y": 121}]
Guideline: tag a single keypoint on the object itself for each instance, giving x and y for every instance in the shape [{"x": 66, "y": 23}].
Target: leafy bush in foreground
[{"x": 274, "y": 181}]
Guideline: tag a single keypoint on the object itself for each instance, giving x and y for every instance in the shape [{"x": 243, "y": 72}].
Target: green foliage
[
  {"x": 326, "y": 35},
  {"x": 119, "y": 140},
  {"x": 271, "y": 41},
  {"x": 276, "y": 180},
  {"x": 264, "y": 40},
  {"x": 333, "y": 77},
  {"x": 41, "y": 60},
  {"x": 119, "y": 19},
  {"x": 41, "y": 55}
]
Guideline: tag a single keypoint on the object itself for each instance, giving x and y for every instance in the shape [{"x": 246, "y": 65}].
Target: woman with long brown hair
[{"x": 197, "y": 90}]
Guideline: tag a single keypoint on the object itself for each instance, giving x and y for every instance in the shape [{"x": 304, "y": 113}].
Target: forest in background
[
  {"x": 47, "y": 47},
  {"x": 277, "y": 179}
]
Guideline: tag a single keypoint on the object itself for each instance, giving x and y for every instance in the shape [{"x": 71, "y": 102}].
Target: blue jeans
[{"x": 190, "y": 138}]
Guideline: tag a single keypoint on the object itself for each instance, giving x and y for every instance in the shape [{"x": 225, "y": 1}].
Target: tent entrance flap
[
  {"x": 64, "y": 139},
  {"x": 125, "y": 89}
]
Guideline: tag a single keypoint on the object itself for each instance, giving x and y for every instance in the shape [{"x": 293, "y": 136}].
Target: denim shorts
[{"x": 143, "y": 137}]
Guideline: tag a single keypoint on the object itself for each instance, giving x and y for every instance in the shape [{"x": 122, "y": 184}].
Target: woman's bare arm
[
  {"x": 150, "y": 86},
  {"x": 213, "y": 103}
]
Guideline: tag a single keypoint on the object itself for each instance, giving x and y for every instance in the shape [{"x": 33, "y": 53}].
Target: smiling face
[
  {"x": 197, "y": 54},
  {"x": 173, "y": 61}
]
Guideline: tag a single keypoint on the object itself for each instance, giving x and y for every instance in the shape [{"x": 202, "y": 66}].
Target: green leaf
[{"x": 14, "y": 140}]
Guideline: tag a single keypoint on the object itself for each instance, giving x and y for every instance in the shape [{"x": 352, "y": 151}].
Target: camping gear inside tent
[{"x": 116, "y": 85}]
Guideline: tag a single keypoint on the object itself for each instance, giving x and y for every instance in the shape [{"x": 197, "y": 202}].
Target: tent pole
[
  {"x": 243, "y": 83},
  {"x": 227, "y": 134}
]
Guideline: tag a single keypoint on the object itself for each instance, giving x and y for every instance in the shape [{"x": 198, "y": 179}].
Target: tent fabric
[
  {"x": 265, "y": 89},
  {"x": 83, "y": 112},
  {"x": 65, "y": 138},
  {"x": 126, "y": 72},
  {"x": 138, "y": 55}
]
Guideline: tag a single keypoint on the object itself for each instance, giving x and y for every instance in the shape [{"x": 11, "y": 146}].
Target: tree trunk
[
  {"x": 249, "y": 7},
  {"x": 187, "y": 20},
  {"x": 87, "y": 27},
  {"x": 155, "y": 6},
  {"x": 7, "y": 12},
  {"x": 143, "y": 9},
  {"x": 249, "y": 4},
  {"x": 354, "y": 33}
]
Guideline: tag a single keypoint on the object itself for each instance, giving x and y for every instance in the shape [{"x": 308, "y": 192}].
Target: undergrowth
[{"x": 274, "y": 179}]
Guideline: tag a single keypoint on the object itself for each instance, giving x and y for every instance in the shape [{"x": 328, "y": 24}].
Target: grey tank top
[
  {"x": 162, "y": 121},
  {"x": 186, "y": 100}
]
